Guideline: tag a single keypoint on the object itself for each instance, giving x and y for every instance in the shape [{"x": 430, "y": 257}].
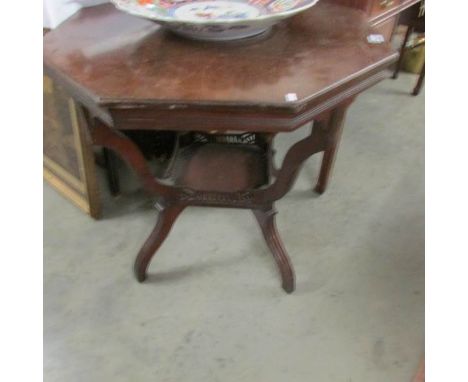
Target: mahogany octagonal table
[{"x": 224, "y": 102}]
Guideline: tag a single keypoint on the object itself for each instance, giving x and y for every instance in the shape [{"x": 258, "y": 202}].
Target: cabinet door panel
[{"x": 68, "y": 155}]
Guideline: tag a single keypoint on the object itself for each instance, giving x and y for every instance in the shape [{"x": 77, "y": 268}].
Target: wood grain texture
[
  {"x": 68, "y": 156},
  {"x": 125, "y": 65}
]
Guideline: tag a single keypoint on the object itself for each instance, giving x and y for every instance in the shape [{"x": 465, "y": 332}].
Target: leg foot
[
  {"x": 266, "y": 220},
  {"x": 166, "y": 219}
]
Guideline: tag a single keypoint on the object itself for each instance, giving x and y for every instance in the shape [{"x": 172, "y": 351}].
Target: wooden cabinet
[
  {"x": 68, "y": 155},
  {"x": 383, "y": 14},
  {"x": 378, "y": 11}
]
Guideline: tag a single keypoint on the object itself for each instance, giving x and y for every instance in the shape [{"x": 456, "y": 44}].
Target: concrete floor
[{"x": 213, "y": 309}]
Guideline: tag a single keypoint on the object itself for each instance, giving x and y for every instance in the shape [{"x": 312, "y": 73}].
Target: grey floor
[{"x": 213, "y": 309}]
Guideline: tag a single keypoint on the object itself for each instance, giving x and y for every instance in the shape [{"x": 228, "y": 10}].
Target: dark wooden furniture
[
  {"x": 68, "y": 158},
  {"x": 386, "y": 15},
  {"x": 67, "y": 155},
  {"x": 383, "y": 15},
  {"x": 414, "y": 20},
  {"x": 225, "y": 103}
]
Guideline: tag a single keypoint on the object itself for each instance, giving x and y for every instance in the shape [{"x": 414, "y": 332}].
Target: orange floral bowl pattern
[{"x": 215, "y": 19}]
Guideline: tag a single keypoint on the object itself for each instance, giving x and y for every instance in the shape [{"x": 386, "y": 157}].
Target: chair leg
[
  {"x": 167, "y": 217},
  {"x": 418, "y": 86},
  {"x": 402, "y": 51}
]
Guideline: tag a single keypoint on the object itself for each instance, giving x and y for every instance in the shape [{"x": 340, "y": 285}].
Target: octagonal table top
[{"x": 112, "y": 59}]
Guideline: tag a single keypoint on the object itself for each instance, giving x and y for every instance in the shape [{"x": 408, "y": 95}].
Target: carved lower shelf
[
  {"x": 219, "y": 170},
  {"x": 220, "y": 167}
]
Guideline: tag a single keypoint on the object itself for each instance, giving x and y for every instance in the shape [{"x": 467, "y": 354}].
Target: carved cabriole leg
[
  {"x": 167, "y": 216},
  {"x": 104, "y": 136},
  {"x": 266, "y": 220},
  {"x": 335, "y": 129}
]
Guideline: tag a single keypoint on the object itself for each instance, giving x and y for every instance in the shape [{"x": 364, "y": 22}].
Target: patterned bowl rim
[{"x": 278, "y": 15}]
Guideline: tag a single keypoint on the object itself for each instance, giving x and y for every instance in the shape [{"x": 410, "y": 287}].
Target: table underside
[{"x": 223, "y": 170}]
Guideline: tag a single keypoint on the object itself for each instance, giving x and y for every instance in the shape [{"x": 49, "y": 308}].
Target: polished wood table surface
[{"x": 224, "y": 102}]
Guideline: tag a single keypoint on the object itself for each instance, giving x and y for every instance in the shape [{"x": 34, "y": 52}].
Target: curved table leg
[
  {"x": 166, "y": 219},
  {"x": 266, "y": 220}
]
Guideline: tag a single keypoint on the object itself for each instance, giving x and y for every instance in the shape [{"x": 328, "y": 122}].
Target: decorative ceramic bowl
[{"x": 215, "y": 19}]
